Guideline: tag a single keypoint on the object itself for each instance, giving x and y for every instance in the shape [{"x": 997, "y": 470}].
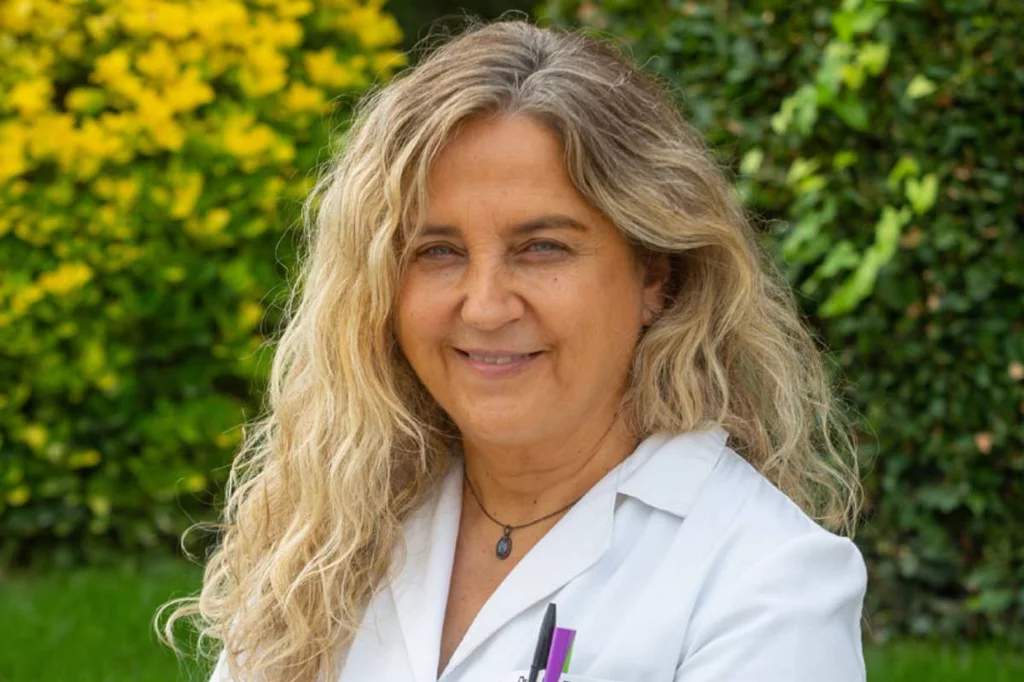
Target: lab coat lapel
[
  {"x": 420, "y": 590},
  {"x": 572, "y": 546}
]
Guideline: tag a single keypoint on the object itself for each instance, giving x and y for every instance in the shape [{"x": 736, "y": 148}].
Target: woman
[{"x": 537, "y": 357}]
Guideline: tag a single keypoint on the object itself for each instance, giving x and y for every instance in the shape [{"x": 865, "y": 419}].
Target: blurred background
[{"x": 153, "y": 157}]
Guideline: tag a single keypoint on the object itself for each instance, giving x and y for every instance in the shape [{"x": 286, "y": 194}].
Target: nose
[{"x": 489, "y": 300}]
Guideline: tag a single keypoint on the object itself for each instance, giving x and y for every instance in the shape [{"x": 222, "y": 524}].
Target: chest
[
  {"x": 621, "y": 576},
  {"x": 629, "y": 609},
  {"x": 477, "y": 572}
]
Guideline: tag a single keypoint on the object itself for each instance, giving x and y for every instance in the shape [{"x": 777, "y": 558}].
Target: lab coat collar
[
  {"x": 573, "y": 545},
  {"x": 668, "y": 472},
  {"x": 665, "y": 471}
]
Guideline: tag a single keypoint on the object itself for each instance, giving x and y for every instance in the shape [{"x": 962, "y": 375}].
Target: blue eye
[
  {"x": 546, "y": 247},
  {"x": 436, "y": 251}
]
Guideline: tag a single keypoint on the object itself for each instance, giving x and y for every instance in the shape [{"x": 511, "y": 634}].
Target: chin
[{"x": 498, "y": 429}]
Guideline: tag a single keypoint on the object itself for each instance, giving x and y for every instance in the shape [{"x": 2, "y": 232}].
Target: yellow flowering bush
[{"x": 152, "y": 153}]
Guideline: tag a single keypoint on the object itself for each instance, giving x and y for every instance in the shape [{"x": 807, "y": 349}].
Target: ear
[{"x": 657, "y": 268}]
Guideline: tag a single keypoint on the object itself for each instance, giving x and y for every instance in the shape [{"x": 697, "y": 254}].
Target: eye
[
  {"x": 436, "y": 251},
  {"x": 544, "y": 246}
]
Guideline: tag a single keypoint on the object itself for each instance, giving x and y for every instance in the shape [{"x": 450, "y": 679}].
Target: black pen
[{"x": 540, "y": 654}]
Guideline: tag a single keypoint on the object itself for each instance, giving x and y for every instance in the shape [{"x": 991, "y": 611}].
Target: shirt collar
[{"x": 669, "y": 471}]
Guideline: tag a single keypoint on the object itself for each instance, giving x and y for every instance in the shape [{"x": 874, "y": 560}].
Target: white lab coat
[{"x": 682, "y": 564}]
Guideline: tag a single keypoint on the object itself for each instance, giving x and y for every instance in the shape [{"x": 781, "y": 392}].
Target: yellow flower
[
  {"x": 99, "y": 505},
  {"x": 84, "y": 459},
  {"x": 189, "y": 92},
  {"x": 18, "y": 16},
  {"x": 190, "y": 51},
  {"x": 264, "y": 71},
  {"x": 85, "y": 100},
  {"x": 35, "y": 436},
  {"x": 227, "y": 439},
  {"x": 157, "y": 118},
  {"x": 95, "y": 144},
  {"x": 372, "y": 28},
  {"x": 13, "y": 143},
  {"x": 18, "y": 496},
  {"x": 284, "y": 152},
  {"x": 174, "y": 274},
  {"x": 243, "y": 140},
  {"x": 279, "y": 33},
  {"x": 209, "y": 226},
  {"x": 158, "y": 62},
  {"x": 324, "y": 69},
  {"x": 222, "y": 21},
  {"x": 72, "y": 45},
  {"x": 25, "y": 298},
  {"x": 386, "y": 62},
  {"x": 249, "y": 314},
  {"x": 31, "y": 97},
  {"x": 217, "y": 220},
  {"x": 66, "y": 278},
  {"x": 110, "y": 67},
  {"x": 99, "y": 26},
  {"x": 186, "y": 194},
  {"x": 173, "y": 20},
  {"x": 195, "y": 483},
  {"x": 301, "y": 98},
  {"x": 290, "y": 9},
  {"x": 52, "y": 135},
  {"x": 108, "y": 382}
]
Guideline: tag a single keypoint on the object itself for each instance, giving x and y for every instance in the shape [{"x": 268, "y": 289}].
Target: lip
[{"x": 489, "y": 371}]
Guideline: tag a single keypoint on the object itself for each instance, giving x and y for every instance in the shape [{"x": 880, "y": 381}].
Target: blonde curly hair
[{"x": 351, "y": 442}]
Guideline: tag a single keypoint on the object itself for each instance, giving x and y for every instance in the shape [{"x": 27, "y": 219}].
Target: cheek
[{"x": 416, "y": 317}]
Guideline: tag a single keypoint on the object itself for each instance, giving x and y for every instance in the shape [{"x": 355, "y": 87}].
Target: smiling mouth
[{"x": 498, "y": 359}]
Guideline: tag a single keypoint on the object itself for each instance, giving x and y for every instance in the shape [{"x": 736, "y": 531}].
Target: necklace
[{"x": 504, "y": 547}]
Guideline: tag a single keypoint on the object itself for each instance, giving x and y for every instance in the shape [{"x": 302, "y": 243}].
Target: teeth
[{"x": 503, "y": 360}]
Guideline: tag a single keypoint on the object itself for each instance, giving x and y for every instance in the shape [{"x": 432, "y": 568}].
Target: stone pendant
[{"x": 504, "y": 546}]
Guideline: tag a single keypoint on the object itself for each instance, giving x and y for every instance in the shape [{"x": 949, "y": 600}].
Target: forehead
[{"x": 501, "y": 162}]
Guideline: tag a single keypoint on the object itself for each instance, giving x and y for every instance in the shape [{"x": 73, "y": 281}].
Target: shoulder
[{"x": 732, "y": 522}]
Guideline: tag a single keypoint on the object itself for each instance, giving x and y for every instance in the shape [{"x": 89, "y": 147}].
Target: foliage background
[
  {"x": 881, "y": 144},
  {"x": 152, "y": 158},
  {"x": 153, "y": 155}
]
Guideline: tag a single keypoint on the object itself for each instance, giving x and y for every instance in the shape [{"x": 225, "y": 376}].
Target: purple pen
[{"x": 561, "y": 643}]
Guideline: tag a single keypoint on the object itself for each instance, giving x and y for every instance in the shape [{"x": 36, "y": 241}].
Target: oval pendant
[{"x": 504, "y": 546}]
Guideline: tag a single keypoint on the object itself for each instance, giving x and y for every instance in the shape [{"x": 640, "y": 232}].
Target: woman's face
[{"x": 522, "y": 305}]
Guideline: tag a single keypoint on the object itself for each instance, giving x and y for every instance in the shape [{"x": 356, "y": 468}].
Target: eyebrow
[{"x": 544, "y": 222}]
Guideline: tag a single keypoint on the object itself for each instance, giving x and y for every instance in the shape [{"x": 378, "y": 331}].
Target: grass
[{"x": 93, "y": 625}]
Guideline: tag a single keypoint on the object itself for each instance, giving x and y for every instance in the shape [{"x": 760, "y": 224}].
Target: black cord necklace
[{"x": 504, "y": 547}]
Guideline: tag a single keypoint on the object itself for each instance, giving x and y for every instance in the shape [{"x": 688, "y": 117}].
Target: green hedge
[
  {"x": 151, "y": 158},
  {"x": 882, "y": 144}
]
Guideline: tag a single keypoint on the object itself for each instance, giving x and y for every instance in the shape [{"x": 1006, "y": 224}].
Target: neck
[{"x": 522, "y": 482}]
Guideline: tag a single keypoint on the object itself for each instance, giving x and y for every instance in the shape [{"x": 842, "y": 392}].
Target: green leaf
[
  {"x": 800, "y": 169},
  {"x": 752, "y": 161},
  {"x": 887, "y": 231},
  {"x": 852, "y": 111},
  {"x": 854, "y": 289},
  {"x": 844, "y": 159},
  {"x": 920, "y": 86},
  {"x": 800, "y": 108},
  {"x": 812, "y": 183},
  {"x": 843, "y": 256},
  {"x": 906, "y": 166},
  {"x": 873, "y": 57},
  {"x": 921, "y": 193},
  {"x": 861, "y": 282}
]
